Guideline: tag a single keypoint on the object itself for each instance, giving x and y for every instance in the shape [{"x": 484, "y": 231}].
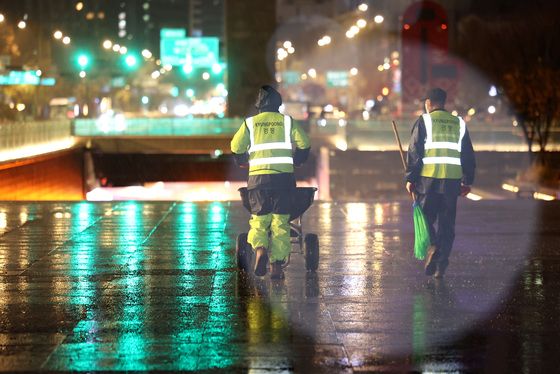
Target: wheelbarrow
[{"x": 307, "y": 245}]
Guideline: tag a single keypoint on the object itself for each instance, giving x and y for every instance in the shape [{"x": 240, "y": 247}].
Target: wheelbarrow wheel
[
  {"x": 311, "y": 247},
  {"x": 243, "y": 252}
]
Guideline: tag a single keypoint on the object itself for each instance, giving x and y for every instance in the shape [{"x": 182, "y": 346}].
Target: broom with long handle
[{"x": 421, "y": 228}]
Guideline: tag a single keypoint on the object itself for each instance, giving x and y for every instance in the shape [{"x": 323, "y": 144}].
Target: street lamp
[
  {"x": 57, "y": 35},
  {"x": 66, "y": 40},
  {"x": 363, "y": 7},
  {"x": 22, "y": 25},
  {"x": 378, "y": 19},
  {"x": 107, "y": 44}
]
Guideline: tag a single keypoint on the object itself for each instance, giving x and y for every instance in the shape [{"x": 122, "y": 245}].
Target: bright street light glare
[
  {"x": 107, "y": 44},
  {"x": 2, "y": 18},
  {"x": 22, "y": 25},
  {"x": 378, "y": 18},
  {"x": 361, "y": 23},
  {"x": 82, "y": 74},
  {"x": 363, "y": 7},
  {"x": 57, "y": 35},
  {"x": 354, "y": 71},
  {"x": 205, "y": 75},
  {"x": 216, "y": 68},
  {"x": 187, "y": 68},
  {"x": 66, "y": 40},
  {"x": 287, "y": 44},
  {"x": 130, "y": 61},
  {"x": 146, "y": 54}
]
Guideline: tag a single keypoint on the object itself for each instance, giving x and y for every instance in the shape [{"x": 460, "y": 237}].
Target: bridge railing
[
  {"x": 122, "y": 127},
  {"x": 25, "y": 139}
]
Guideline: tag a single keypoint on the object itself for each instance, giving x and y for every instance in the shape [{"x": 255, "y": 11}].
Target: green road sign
[{"x": 337, "y": 78}]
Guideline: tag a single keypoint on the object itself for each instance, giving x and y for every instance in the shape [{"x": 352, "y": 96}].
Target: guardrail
[
  {"x": 122, "y": 127},
  {"x": 26, "y": 139}
]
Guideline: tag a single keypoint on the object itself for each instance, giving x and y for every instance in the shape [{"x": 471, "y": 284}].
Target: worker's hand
[
  {"x": 465, "y": 190},
  {"x": 410, "y": 187}
]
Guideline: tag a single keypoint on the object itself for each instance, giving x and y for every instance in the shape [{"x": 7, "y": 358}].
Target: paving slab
[{"x": 153, "y": 286}]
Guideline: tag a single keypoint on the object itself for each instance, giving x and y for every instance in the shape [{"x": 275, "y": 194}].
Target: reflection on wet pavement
[{"x": 153, "y": 286}]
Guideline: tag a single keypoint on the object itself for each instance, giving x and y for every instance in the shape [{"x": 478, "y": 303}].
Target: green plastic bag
[{"x": 421, "y": 232}]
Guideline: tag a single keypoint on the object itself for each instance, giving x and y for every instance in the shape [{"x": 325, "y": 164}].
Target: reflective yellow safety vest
[
  {"x": 442, "y": 150},
  {"x": 270, "y": 148}
]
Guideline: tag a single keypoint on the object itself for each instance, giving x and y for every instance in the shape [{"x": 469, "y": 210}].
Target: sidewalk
[{"x": 153, "y": 286}]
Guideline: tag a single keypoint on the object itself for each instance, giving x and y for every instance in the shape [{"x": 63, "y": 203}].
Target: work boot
[
  {"x": 261, "y": 261},
  {"x": 276, "y": 271},
  {"x": 431, "y": 260},
  {"x": 440, "y": 270}
]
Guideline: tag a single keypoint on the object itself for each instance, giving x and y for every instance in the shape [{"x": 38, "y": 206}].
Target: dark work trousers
[
  {"x": 440, "y": 208},
  {"x": 266, "y": 201}
]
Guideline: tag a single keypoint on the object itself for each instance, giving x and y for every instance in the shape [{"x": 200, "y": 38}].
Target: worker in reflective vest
[
  {"x": 441, "y": 166},
  {"x": 270, "y": 144}
]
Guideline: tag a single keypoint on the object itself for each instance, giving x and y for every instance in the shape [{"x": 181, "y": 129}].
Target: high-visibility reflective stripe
[
  {"x": 430, "y": 144},
  {"x": 286, "y": 144},
  {"x": 441, "y": 160},
  {"x": 269, "y": 146},
  {"x": 462, "y": 130},
  {"x": 443, "y": 145},
  {"x": 287, "y": 129},
  {"x": 271, "y": 161},
  {"x": 249, "y": 122}
]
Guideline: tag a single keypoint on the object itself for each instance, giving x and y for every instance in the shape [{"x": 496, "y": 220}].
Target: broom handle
[
  {"x": 401, "y": 151},
  {"x": 399, "y": 143}
]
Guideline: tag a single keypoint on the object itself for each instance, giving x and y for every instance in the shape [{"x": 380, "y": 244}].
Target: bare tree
[{"x": 520, "y": 53}]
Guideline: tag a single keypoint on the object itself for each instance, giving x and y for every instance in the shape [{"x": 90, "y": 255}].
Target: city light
[
  {"x": 130, "y": 61},
  {"x": 287, "y": 44},
  {"x": 2, "y": 18},
  {"x": 325, "y": 40},
  {"x": 190, "y": 92},
  {"x": 363, "y": 7},
  {"x": 354, "y": 71},
  {"x": 147, "y": 54},
  {"x": 493, "y": 91},
  {"x": 491, "y": 109},
  {"x": 380, "y": 67},
  {"x": 22, "y": 25},
  {"x": 116, "y": 47},
  {"x": 385, "y": 91},
  {"x": 57, "y": 35},
  {"x": 471, "y": 112},
  {"x": 379, "y": 19},
  {"x": 187, "y": 68},
  {"x": 107, "y": 44},
  {"x": 83, "y": 61},
  {"x": 361, "y": 23},
  {"x": 312, "y": 73},
  {"x": 123, "y": 50},
  {"x": 38, "y": 72},
  {"x": 66, "y": 40},
  {"x": 79, "y": 6},
  {"x": 156, "y": 74},
  {"x": 145, "y": 100},
  {"x": 291, "y": 50},
  {"x": 20, "y": 107},
  {"x": 82, "y": 74},
  {"x": 216, "y": 68},
  {"x": 205, "y": 75}
]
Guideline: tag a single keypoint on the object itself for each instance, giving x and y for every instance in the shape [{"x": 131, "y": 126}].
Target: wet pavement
[{"x": 154, "y": 287}]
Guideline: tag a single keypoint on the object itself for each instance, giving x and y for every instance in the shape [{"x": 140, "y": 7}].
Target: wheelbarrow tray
[{"x": 303, "y": 199}]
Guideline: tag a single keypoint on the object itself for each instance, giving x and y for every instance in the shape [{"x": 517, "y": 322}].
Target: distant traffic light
[
  {"x": 83, "y": 60},
  {"x": 131, "y": 61}
]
